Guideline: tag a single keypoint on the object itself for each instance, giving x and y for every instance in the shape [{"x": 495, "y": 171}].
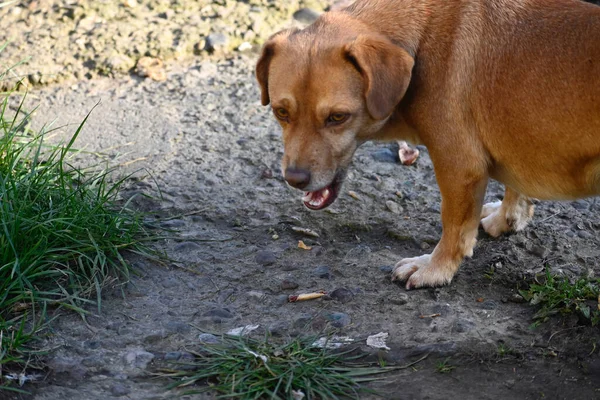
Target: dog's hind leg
[{"x": 512, "y": 213}]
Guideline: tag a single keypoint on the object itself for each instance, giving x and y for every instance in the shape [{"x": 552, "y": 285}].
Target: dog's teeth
[
  {"x": 325, "y": 193},
  {"x": 306, "y": 197}
]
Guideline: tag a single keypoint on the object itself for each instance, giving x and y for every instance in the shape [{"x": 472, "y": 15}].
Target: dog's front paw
[{"x": 420, "y": 272}]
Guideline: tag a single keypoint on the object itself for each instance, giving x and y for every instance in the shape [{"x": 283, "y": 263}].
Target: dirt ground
[{"x": 202, "y": 138}]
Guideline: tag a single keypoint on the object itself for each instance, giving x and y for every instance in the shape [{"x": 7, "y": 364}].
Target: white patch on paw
[
  {"x": 418, "y": 272},
  {"x": 495, "y": 224},
  {"x": 490, "y": 208}
]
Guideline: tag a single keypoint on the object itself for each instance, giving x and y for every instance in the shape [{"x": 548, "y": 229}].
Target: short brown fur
[{"x": 502, "y": 89}]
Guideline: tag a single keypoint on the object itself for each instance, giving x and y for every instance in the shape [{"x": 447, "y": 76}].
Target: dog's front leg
[{"x": 462, "y": 197}]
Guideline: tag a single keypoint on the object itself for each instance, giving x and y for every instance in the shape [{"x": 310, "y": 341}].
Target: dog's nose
[{"x": 298, "y": 178}]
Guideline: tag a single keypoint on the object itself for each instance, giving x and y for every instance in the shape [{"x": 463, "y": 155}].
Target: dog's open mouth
[{"x": 319, "y": 199}]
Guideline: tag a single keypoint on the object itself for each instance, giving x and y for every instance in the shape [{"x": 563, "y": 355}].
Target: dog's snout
[{"x": 298, "y": 178}]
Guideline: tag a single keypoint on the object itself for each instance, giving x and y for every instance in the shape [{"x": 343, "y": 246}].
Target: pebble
[
  {"x": 169, "y": 282},
  {"x": 489, "y": 305},
  {"x": 580, "y": 205},
  {"x": 322, "y": 272},
  {"x": 187, "y": 246},
  {"x": 385, "y": 155},
  {"x": 463, "y": 325},
  {"x": 118, "y": 390},
  {"x": 138, "y": 359},
  {"x": 585, "y": 235},
  {"x": 338, "y": 319},
  {"x": 288, "y": 284},
  {"x": 398, "y": 299},
  {"x": 342, "y": 295},
  {"x": 302, "y": 321},
  {"x": 218, "y": 314},
  {"x": 208, "y": 338},
  {"x": 265, "y": 257},
  {"x": 539, "y": 251},
  {"x": 516, "y": 298},
  {"x": 177, "y": 327},
  {"x": 216, "y": 41},
  {"x": 394, "y": 207},
  {"x": 278, "y": 328},
  {"x": 386, "y": 269},
  {"x": 306, "y": 15}
]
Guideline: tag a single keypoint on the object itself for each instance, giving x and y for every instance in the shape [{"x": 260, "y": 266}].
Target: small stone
[
  {"x": 118, "y": 63},
  {"x": 342, "y": 295},
  {"x": 174, "y": 223},
  {"x": 425, "y": 246},
  {"x": 177, "y": 327},
  {"x": 151, "y": 67},
  {"x": 187, "y": 246},
  {"x": 288, "y": 284},
  {"x": 265, "y": 257},
  {"x": 539, "y": 251},
  {"x": 338, "y": 319},
  {"x": 169, "y": 282},
  {"x": 218, "y": 314},
  {"x": 394, "y": 207},
  {"x": 385, "y": 155},
  {"x": 302, "y": 321},
  {"x": 35, "y": 78},
  {"x": 208, "y": 338},
  {"x": 463, "y": 325},
  {"x": 172, "y": 356},
  {"x": 580, "y": 205},
  {"x": 516, "y": 298},
  {"x": 216, "y": 41},
  {"x": 245, "y": 46},
  {"x": 306, "y": 15},
  {"x": 322, "y": 272},
  {"x": 489, "y": 305},
  {"x": 278, "y": 328},
  {"x": 118, "y": 390},
  {"x": 386, "y": 268},
  {"x": 585, "y": 235},
  {"x": 398, "y": 299},
  {"x": 138, "y": 358}
]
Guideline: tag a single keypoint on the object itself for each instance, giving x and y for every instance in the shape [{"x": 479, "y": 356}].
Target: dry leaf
[{"x": 303, "y": 246}]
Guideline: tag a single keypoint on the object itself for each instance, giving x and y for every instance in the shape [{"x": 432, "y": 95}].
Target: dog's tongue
[{"x": 318, "y": 199}]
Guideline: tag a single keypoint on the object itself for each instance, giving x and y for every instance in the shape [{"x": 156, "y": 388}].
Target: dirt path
[{"x": 214, "y": 152}]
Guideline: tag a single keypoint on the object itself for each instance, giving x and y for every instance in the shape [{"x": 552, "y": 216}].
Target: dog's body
[{"x": 502, "y": 89}]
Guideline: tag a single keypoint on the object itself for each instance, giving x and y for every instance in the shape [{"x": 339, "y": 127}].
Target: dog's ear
[
  {"x": 262, "y": 66},
  {"x": 386, "y": 70}
]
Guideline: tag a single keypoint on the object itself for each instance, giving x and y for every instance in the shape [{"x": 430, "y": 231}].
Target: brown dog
[{"x": 502, "y": 89}]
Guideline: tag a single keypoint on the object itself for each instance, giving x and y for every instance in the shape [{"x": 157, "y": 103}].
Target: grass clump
[
  {"x": 444, "y": 366},
  {"x": 62, "y": 230},
  {"x": 557, "y": 295},
  {"x": 244, "y": 368}
]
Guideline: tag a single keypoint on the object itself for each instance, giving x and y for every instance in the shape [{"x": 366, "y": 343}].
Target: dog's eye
[
  {"x": 282, "y": 113},
  {"x": 337, "y": 118}
]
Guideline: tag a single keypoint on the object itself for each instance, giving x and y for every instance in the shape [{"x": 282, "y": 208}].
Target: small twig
[
  {"x": 185, "y": 214},
  {"x": 563, "y": 330},
  {"x": 430, "y": 316},
  {"x": 549, "y": 217},
  {"x": 132, "y": 161},
  {"x": 413, "y": 363}
]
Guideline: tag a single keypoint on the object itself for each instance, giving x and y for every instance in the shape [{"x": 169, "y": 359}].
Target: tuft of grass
[
  {"x": 62, "y": 231},
  {"x": 245, "y": 368},
  {"x": 557, "y": 295},
  {"x": 444, "y": 366}
]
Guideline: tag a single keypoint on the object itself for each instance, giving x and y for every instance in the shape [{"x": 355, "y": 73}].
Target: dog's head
[{"x": 331, "y": 86}]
